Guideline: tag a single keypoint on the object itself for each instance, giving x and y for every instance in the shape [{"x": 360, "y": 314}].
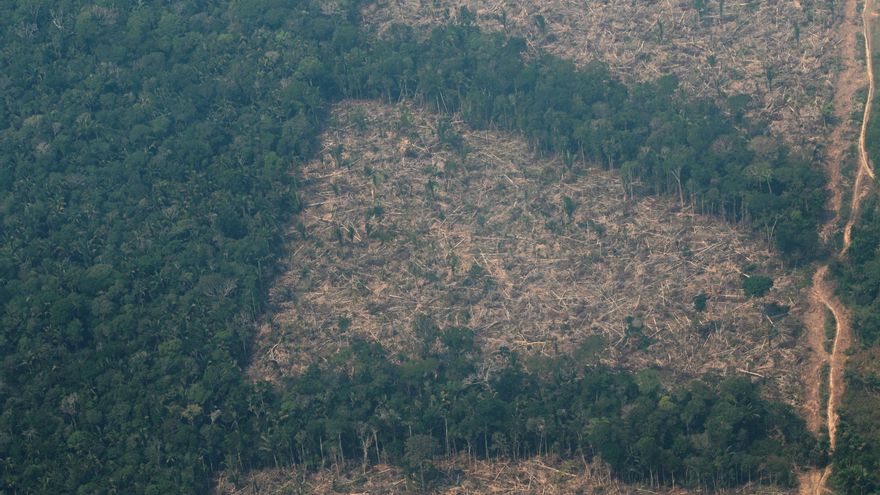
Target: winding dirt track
[
  {"x": 867, "y": 16},
  {"x": 837, "y": 358},
  {"x": 822, "y": 297},
  {"x": 865, "y": 168}
]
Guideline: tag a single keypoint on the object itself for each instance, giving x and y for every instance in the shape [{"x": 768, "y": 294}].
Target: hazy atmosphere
[{"x": 469, "y": 247}]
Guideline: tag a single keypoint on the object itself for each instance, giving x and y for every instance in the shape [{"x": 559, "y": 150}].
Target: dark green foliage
[
  {"x": 644, "y": 431},
  {"x": 145, "y": 153},
  {"x": 756, "y": 285},
  {"x": 700, "y": 302},
  {"x": 857, "y": 456},
  {"x": 419, "y": 452}
]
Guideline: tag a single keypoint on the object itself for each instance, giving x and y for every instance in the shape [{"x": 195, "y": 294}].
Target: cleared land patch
[
  {"x": 412, "y": 220},
  {"x": 783, "y": 55},
  {"x": 543, "y": 475}
]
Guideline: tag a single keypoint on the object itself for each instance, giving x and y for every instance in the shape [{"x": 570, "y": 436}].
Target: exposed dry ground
[
  {"x": 399, "y": 225},
  {"x": 779, "y": 53},
  {"x": 534, "y": 476},
  {"x": 537, "y": 475}
]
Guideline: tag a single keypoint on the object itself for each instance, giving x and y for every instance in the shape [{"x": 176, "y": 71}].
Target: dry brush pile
[
  {"x": 533, "y": 256},
  {"x": 536, "y": 475},
  {"x": 549, "y": 476},
  {"x": 781, "y": 54}
]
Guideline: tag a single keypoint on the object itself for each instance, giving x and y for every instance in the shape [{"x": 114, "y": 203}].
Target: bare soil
[{"x": 813, "y": 482}]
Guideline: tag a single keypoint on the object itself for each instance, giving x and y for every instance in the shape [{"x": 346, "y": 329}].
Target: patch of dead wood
[
  {"x": 538, "y": 475},
  {"x": 399, "y": 225},
  {"x": 782, "y": 54}
]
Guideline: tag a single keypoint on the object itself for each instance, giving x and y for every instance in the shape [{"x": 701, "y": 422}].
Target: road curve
[{"x": 815, "y": 482}]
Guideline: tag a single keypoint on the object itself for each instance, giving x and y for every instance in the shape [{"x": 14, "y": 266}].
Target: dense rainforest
[{"x": 148, "y": 156}]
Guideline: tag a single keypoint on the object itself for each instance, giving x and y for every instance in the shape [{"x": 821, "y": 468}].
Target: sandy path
[
  {"x": 867, "y": 17},
  {"x": 822, "y": 294},
  {"x": 860, "y": 188},
  {"x": 842, "y": 340}
]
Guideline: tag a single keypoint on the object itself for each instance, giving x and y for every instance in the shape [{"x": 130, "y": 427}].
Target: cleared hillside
[{"x": 410, "y": 220}]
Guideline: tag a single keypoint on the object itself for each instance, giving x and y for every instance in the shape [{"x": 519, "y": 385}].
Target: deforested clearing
[
  {"x": 536, "y": 475},
  {"x": 412, "y": 219},
  {"x": 780, "y": 55}
]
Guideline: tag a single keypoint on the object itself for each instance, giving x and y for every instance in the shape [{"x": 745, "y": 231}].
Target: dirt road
[
  {"x": 822, "y": 297},
  {"x": 868, "y": 15},
  {"x": 837, "y": 358},
  {"x": 866, "y": 170}
]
